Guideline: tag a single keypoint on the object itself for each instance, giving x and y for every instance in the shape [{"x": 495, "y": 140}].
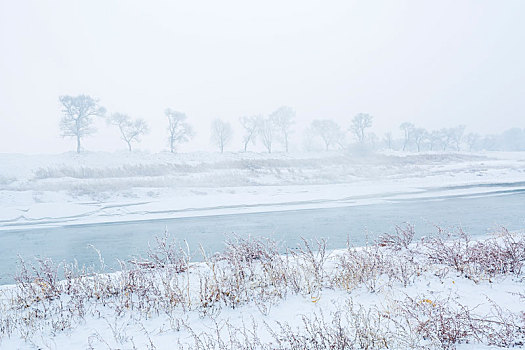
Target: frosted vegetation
[
  {"x": 97, "y": 187},
  {"x": 106, "y": 171},
  {"x": 441, "y": 292}
]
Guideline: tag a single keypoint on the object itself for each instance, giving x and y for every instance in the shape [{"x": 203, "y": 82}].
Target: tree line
[{"x": 79, "y": 113}]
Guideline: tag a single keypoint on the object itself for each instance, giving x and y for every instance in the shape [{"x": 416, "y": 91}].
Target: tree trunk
[
  {"x": 129, "y": 145},
  {"x": 78, "y": 144}
]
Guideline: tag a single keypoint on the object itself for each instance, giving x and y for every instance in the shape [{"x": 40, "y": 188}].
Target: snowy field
[{"x": 75, "y": 188}]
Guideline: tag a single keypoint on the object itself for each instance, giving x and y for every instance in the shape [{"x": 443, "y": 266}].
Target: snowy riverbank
[
  {"x": 106, "y": 187},
  {"x": 433, "y": 293}
]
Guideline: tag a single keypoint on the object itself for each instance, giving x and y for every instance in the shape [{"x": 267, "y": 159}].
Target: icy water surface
[{"x": 476, "y": 214}]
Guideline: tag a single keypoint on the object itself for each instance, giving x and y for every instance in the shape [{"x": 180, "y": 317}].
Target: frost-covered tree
[
  {"x": 130, "y": 130},
  {"x": 250, "y": 126},
  {"x": 456, "y": 136},
  {"x": 329, "y": 131},
  {"x": 490, "y": 142},
  {"x": 267, "y": 131},
  {"x": 221, "y": 133},
  {"x": 360, "y": 123},
  {"x": 407, "y": 131},
  {"x": 446, "y": 139},
  {"x": 388, "y": 140},
  {"x": 512, "y": 140},
  {"x": 472, "y": 140},
  {"x": 178, "y": 130},
  {"x": 435, "y": 139},
  {"x": 282, "y": 119},
  {"x": 77, "y": 120},
  {"x": 419, "y": 135},
  {"x": 372, "y": 139}
]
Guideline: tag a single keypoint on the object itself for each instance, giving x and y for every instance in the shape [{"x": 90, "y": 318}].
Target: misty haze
[{"x": 274, "y": 175}]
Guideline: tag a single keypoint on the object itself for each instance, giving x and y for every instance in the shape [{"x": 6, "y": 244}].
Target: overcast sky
[{"x": 435, "y": 63}]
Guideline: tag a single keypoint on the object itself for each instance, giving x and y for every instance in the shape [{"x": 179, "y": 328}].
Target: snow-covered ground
[
  {"x": 75, "y": 188},
  {"x": 431, "y": 294},
  {"x": 392, "y": 295}
]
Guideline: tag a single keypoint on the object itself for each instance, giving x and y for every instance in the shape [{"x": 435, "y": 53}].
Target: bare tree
[
  {"x": 388, "y": 139},
  {"x": 221, "y": 133},
  {"x": 472, "y": 140},
  {"x": 456, "y": 135},
  {"x": 178, "y": 130},
  {"x": 282, "y": 118},
  {"x": 130, "y": 131},
  {"x": 490, "y": 142},
  {"x": 435, "y": 138},
  {"x": 419, "y": 135},
  {"x": 453, "y": 136},
  {"x": 329, "y": 131},
  {"x": 250, "y": 125},
  {"x": 372, "y": 139},
  {"x": 267, "y": 131},
  {"x": 359, "y": 123},
  {"x": 78, "y": 116},
  {"x": 446, "y": 137},
  {"x": 407, "y": 129}
]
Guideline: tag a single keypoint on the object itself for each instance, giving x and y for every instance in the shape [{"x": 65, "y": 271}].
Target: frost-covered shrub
[
  {"x": 256, "y": 273},
  {"x": 400, "y": 240},
  {"x": 503, "y": 253}
]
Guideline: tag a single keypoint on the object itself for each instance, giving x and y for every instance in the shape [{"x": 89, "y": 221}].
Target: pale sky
[{"x": 435, "y": 63}]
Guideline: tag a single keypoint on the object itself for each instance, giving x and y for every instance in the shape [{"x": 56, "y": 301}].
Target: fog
[
  {"x": 435, "y": 64},
  {"x": 272, "y": 174}
]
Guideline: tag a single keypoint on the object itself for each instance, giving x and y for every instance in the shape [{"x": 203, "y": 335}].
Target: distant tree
[
  {"x": 267, "y": 130},
  {"x": 446, "y": 138},
  {"x": 435, "y": 139},
  {"x": 419, "y": 135},
  {"x": 372, "y": 139},
  {"x": 512, "y": 140},
  {"x": 130, "y": 131},
  {"x": 308, "y": 139},
  {"x": 407, "y": 130},
  {"x": 472, "y": 140},
  {"x": 359, "y": 123},
  {"x": 329, "y": 131},
  {"x": 221, "y": 133},
  {"x": 388, "y": 140},
  {"x": 77, "y": 120},
  {"x": 282, "y": 118},
  {"x": 250, "y": 125},
  {"x": 456, "y": 136},
  {"x": 490, "y": 142},
  {"x": 178, "y": 130}
]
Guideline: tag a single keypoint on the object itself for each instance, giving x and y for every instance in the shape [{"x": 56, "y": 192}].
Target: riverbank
[
  {"x": 71, "y": 189},
  {"x": 444, "y": 291}
]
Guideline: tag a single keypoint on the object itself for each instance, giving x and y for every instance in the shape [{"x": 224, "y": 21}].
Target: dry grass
[{"x": 253, "y": 271}]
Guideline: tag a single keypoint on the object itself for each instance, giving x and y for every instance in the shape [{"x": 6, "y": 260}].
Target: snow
[
  {"x": 102, "y": 328},
  {"x": 66, "y": 189},
  {"x": 70, "y": 188}
]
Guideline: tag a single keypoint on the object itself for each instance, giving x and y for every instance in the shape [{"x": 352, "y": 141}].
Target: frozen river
[{"x": 476, "y": 214}]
